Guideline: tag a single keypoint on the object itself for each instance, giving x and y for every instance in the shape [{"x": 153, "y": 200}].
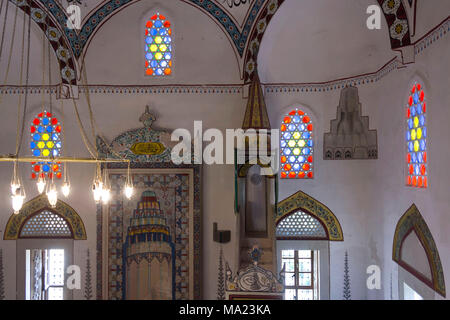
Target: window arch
[
  {"x": 296, "y": 146},
  {"x": 45, "y": 142},
  {"x": 158, "y": 46},
  {"x": 416, "y": 138}
]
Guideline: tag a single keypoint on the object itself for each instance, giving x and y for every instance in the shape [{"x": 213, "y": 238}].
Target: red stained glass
[
  {"x": 419, "y": 180},
  {"x": 419, "y": 86},
  {"x": 37, "y": 168},
  {"x": 425, "y": 182},
  {"x": 283, "y": 175},
  {"x": 423, "y": 169},
  {"x": 424, "y": 107},
  {"x": 310, "y": 127},
  {"x": 54, "y": 121},
  {"x": 36, "y": 121},
  {"x": 408, "y": 180},
  {"x": 410, "y": 101},
  {"x": 162, "y": 17},
  {"x": 408, "y": 113},
  {"x": 32, "y": 129},
  {"x": 40, "y": 115},
  {"x": 422, "y": 96},
  {"x": 300, "y": 112},
  {"x": 292, "y": 113},
  {"x": 301, "y": 175},
  {"x": 283, "y": 127},
  {"x": 408, "y": 158},
  {"x": 59, "y": 175},
  {"x": 310, "y": 175},
  {"x": 58, "y": 129},
  {"x": 33, "y": 175},
  {"x": 283, "y": 159},
  {"x": 310, "y": 159},
  {"x": 306, "y": 167},
  {"x": 167, "y": 24},
  {"x": 154, "y": 17},
  {"x": 413, "y": 89},
  {"x": 414, "y": 181},
  {"x": 149, "y": 24},
  {"x": 287, "y": 119},
  {"x": 49, "y": 115},
  {"x": 291, "y": 174},
  {"x": 306, "y": 119},
  {"x": 425, "y": 157},
  {"x": 287, "y": 167}
]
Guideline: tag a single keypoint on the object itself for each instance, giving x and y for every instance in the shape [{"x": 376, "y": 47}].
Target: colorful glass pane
[
  {"x": 416, "y": 138},
  {"x": 45, "y": 142},
  {"x": 296, "y": 146},
  {"x": 158, "y": 46}
]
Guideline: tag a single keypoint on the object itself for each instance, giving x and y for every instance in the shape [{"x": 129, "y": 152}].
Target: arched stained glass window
[
  {"x": 158, "y": 46},
  {"x": 296, "y": 142},
  {"x": 416, "y": 138},
  {"x": 45, "y": 142}
]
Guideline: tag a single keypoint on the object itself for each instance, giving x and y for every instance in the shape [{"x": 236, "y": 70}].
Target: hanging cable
[
  {"x": 4, "y": 27},
  {"x": 11, "y": 46},
  {"x": 19, "y": 105},
  {"x": 27, "y": 73}
]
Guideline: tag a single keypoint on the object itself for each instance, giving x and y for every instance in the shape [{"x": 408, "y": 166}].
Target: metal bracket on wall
[{"x": 221, "y": 236}]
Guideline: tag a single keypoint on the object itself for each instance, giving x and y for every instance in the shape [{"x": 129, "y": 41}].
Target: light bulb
[
  {"x": 128, "y": 191},
  {"x": 97, "y": 189},
  {"x": 52, "y": 196},
  {"x": 106, "y": 195},
  {"x": 14, "y": 187},
  {"x": 65, "y": 189},
  {"x": 41, "y": 184},
  {"x": 17, "y": 202}
]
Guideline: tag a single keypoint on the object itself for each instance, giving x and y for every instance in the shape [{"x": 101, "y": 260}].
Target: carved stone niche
[{"x": 349, "y": 136}]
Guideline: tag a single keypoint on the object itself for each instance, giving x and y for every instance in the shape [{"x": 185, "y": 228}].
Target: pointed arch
[
  {"x": 412, "y": 221},
  {"x": 35, "y": 207},
  {"x": 300, "y": 201}
]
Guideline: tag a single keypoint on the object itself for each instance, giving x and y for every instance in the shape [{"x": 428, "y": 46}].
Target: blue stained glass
[
  {"x": 422, "y": 145},
  {"x": 162, "y": 32},
  {"x": 424, "y": 132},
  {"x": 283, "y": 143},
  {"x": 153, "y": 64},
  {"x": 163, "y": 64},
  {"x": 167, "y": 40},
  {"x": 306, "y": 151},
  {"x": 413, "y": 158},
  {"x": 416, "y": 169},
  {"x": 287, "y": 135},
  {"x": 420, "y": 157},
  {"x": 148, "y": 56},
  {"x": 55, "y": 136},
  {"x": 153, "y": 31},
  {"x": 158, "y": 24},
  {"x": 37, "y": 137},
  {"x": 296, "y": 119},
  {"x": 45, "y": 121},
  {"x": 408, "y": 135},
  {"x": 310, "y": 143},
  {"x": 167, "y": 56},
  {"x": 287, "y": 151},
  {"x": 32, "y": 145},
  {"x": 301, "y": 159},
  {"x": 36, "y": 153},
  {"x": 55, "y": 152},
  {"x": 45, "y": 167},
  {"x": 159, "y": 72},
  {"x": 419, "y": 109},
  {"x": 410, "y": 123},
  {"x": 416, "y": 98},
  {"x": 413, "y": 111},
  {"x": 149, "y": 40},
  {"x": 306, "y": 135},
  {"x": 291, "y": 159},
  {"x": 58, "y": 145},
  {"x": 291, "y": 127},
  {"x": 49, "y": 129},
  {"x": 296, "y": 167},
  {"x": 422, "y": 120},
  {"x": 410, "y": 146},
  {"x": 302, "y": 127},
  {"x": 40, "y": 129}
]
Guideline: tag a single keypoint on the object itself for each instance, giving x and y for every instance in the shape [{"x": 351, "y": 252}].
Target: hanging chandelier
[{"x": 101, "y": 186}]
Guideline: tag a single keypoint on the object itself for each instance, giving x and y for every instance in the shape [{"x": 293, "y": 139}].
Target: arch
[
  {"x": 412, "y": 221},
  {"x": 61, "y": 46},
  {"x": 37, "y": 205},
  {"x": 393, "y": 11},
  {"x": 302, "y": 202}
]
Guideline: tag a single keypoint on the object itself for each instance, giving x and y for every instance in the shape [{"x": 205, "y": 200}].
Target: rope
[
  {"x": 86, "y": 141},
  {"x": 10, "y": 48}
]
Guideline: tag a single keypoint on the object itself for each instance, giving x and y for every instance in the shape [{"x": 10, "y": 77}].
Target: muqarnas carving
[{"x": 349, "y": 136}]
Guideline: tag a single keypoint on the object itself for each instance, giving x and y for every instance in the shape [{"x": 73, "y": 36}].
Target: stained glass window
[
  {"x": 296, "y": 142},
  {"x": 158, "y": 46},
  {"x": 416, "y": 138},
  {"x": 45, "y": 143}
]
